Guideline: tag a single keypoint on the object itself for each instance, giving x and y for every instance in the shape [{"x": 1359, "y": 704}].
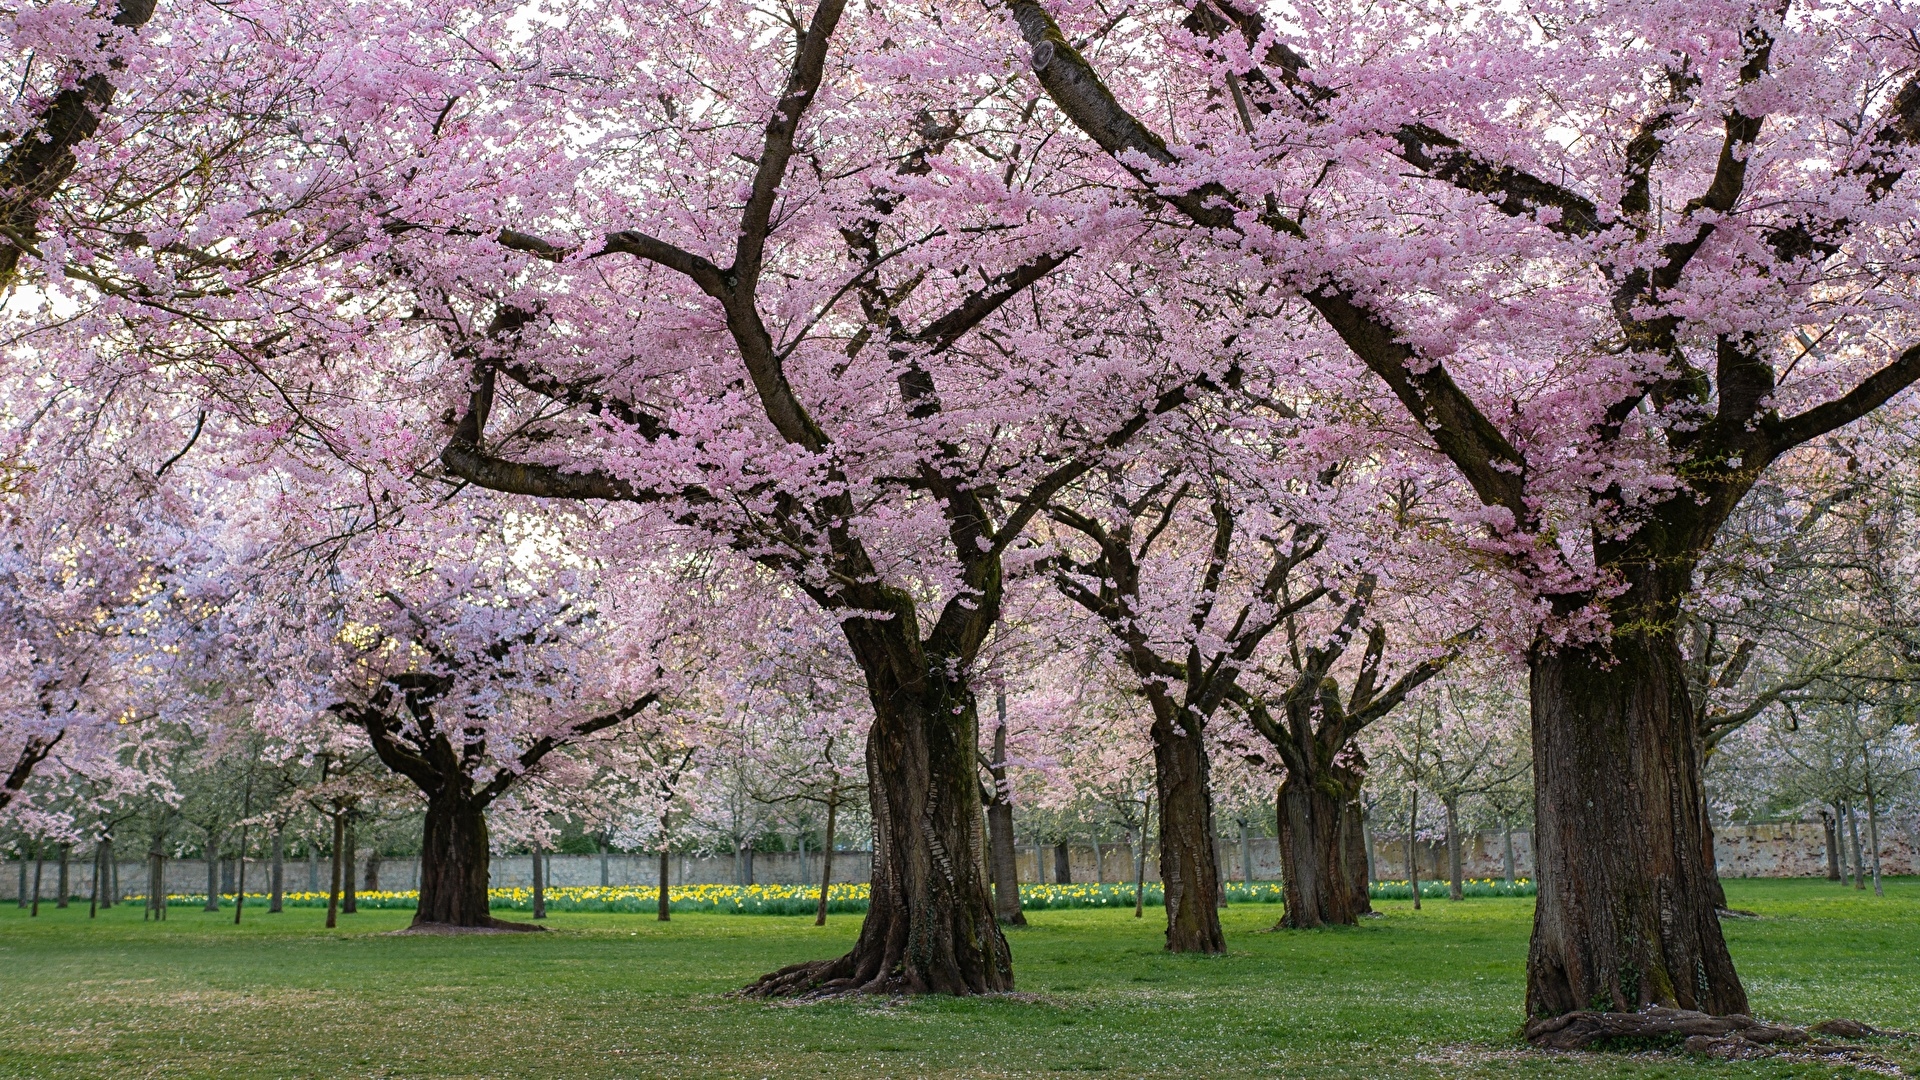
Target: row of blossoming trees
[{"x": 537, "y": 364}]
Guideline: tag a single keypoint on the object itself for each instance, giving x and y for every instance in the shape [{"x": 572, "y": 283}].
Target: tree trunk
[
  {"x": 349, "y": 901},
  {"x": 333, "y": 891},
  {"x": 1455, "y": 887},
  {"x": 240, "y": 878},
  {"x": 826, "y": 860},
  {"x": 93, "y": 900},
  {"x": 454, "y": 859},
  {"x": 1866, "y": 775},
  {"x": 66, "y": 853},
  {"x": 1246, "y": 854},
  {"x": 603, "y": 863},
  {"x": 39, "y": 863},
  {"x": 1319, "y": 868},
  {"x": 666, "y": 901},
  {"x": 276, "y": 902},
  {"x": 313, "y": 867},
  {"x": 213, "y": 872},
  {"x": 372, "y": 881},
  {"x": 1006, "y": 867},
  {"x": 1626, "y": 914},
  {"x": 1853, "y": 838},
  {"x": 1140, "y": 860},
  {"x": 1413, "y": 839},
  {"x": 1353, "y": 866},
  {"x": 1189, "y": 877},
  {"x": 156, "y": 884},
  {"x": 539, "y": 886},
  {"x": 1062, "y": 864},
  {"x": 1833, "y": 844},
  {"x": 930, "y": 926}
]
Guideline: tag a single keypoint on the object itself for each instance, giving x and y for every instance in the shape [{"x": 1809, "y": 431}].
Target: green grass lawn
[{"x": 1435, "y": 993}]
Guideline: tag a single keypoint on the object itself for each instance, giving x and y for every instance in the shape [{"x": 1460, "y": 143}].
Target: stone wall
[{"x": 1786, "y": 850}]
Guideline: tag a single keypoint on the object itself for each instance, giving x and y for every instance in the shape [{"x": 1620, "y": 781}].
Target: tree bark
[
  {"x": 240, "y": 878},
  {"x": 371, "y": 882},
  {"x": 603, "y": 863},
  {"x": 1062, "y": 864},
  {"x": 1006, "y": 866},
  {"x": 66, "y": 854},
  {"x": 1626, "y": 915},
  {"x": 454, "y": 860},
  {"x": 1189, "y": 876},
  {"x": 93, "y": 900},
  {"x": 930, "y": 926},
  {"x": 1322, "y": 866},
  {"x": 826, "y": 859}
]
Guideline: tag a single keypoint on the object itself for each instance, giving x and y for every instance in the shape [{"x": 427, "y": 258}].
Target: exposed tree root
[
  {"x": 1737, "y": 913},
  {"x": 1735, "y": 1037},
  {"x": 491, "y": 926}
]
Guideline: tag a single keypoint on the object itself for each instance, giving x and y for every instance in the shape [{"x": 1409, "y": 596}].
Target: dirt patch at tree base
[
  {"x": 1728, "y": 1038},
  {"x": 497, "y": 926}
]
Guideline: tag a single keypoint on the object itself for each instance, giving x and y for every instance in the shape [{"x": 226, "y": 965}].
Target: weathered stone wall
[{"x": 1786, "y": 850}]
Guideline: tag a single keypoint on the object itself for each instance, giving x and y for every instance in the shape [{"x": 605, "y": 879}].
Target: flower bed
[{"x": 805, "y": 899}]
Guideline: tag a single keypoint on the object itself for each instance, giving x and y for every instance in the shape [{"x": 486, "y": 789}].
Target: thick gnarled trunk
[
  {"x": 930, "y": 924},
  {"x": 454, "y": 860},
  {"x": 1189, "y": 871},
  {"x": 1323, "y": 856},
  {"x": 1626, "y": 912}
]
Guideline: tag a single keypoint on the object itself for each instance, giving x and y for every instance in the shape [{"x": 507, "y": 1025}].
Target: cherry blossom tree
[{"x": 1615, "y": 260}]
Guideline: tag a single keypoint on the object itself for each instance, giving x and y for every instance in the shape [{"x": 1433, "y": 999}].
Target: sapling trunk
[
  {"x": 275, "y": 902},
  {"x": 66, "y": 851},
  {"x": 1873, "y": 817},
  {"x": 1246, "y": 854},
  {"x": 539, "y": 886},
  {"x": 240, "y": 878},
  {"x": 1140, "y": 861},
  {"x": 1413, "y": 861},
  {"x": 213, "y": 871},
  {"x": 666, "y": 904},
  {"x": 1827, "y": 818},
  {"x": 1062, "y": 864},
  {"x": 603, "y": 863},
  {"x": 1859, "y": 853},
  {"x": 349, "y": 861},
  {"x": 93, "y": 899},
  {"x": 826, "y": 862},
  {"x": 333, "y": 889},
  {"x": 1455, "y": 887}
]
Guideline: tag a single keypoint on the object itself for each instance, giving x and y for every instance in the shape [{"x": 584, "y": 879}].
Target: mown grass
[{"x": 1429, "y": 994}]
